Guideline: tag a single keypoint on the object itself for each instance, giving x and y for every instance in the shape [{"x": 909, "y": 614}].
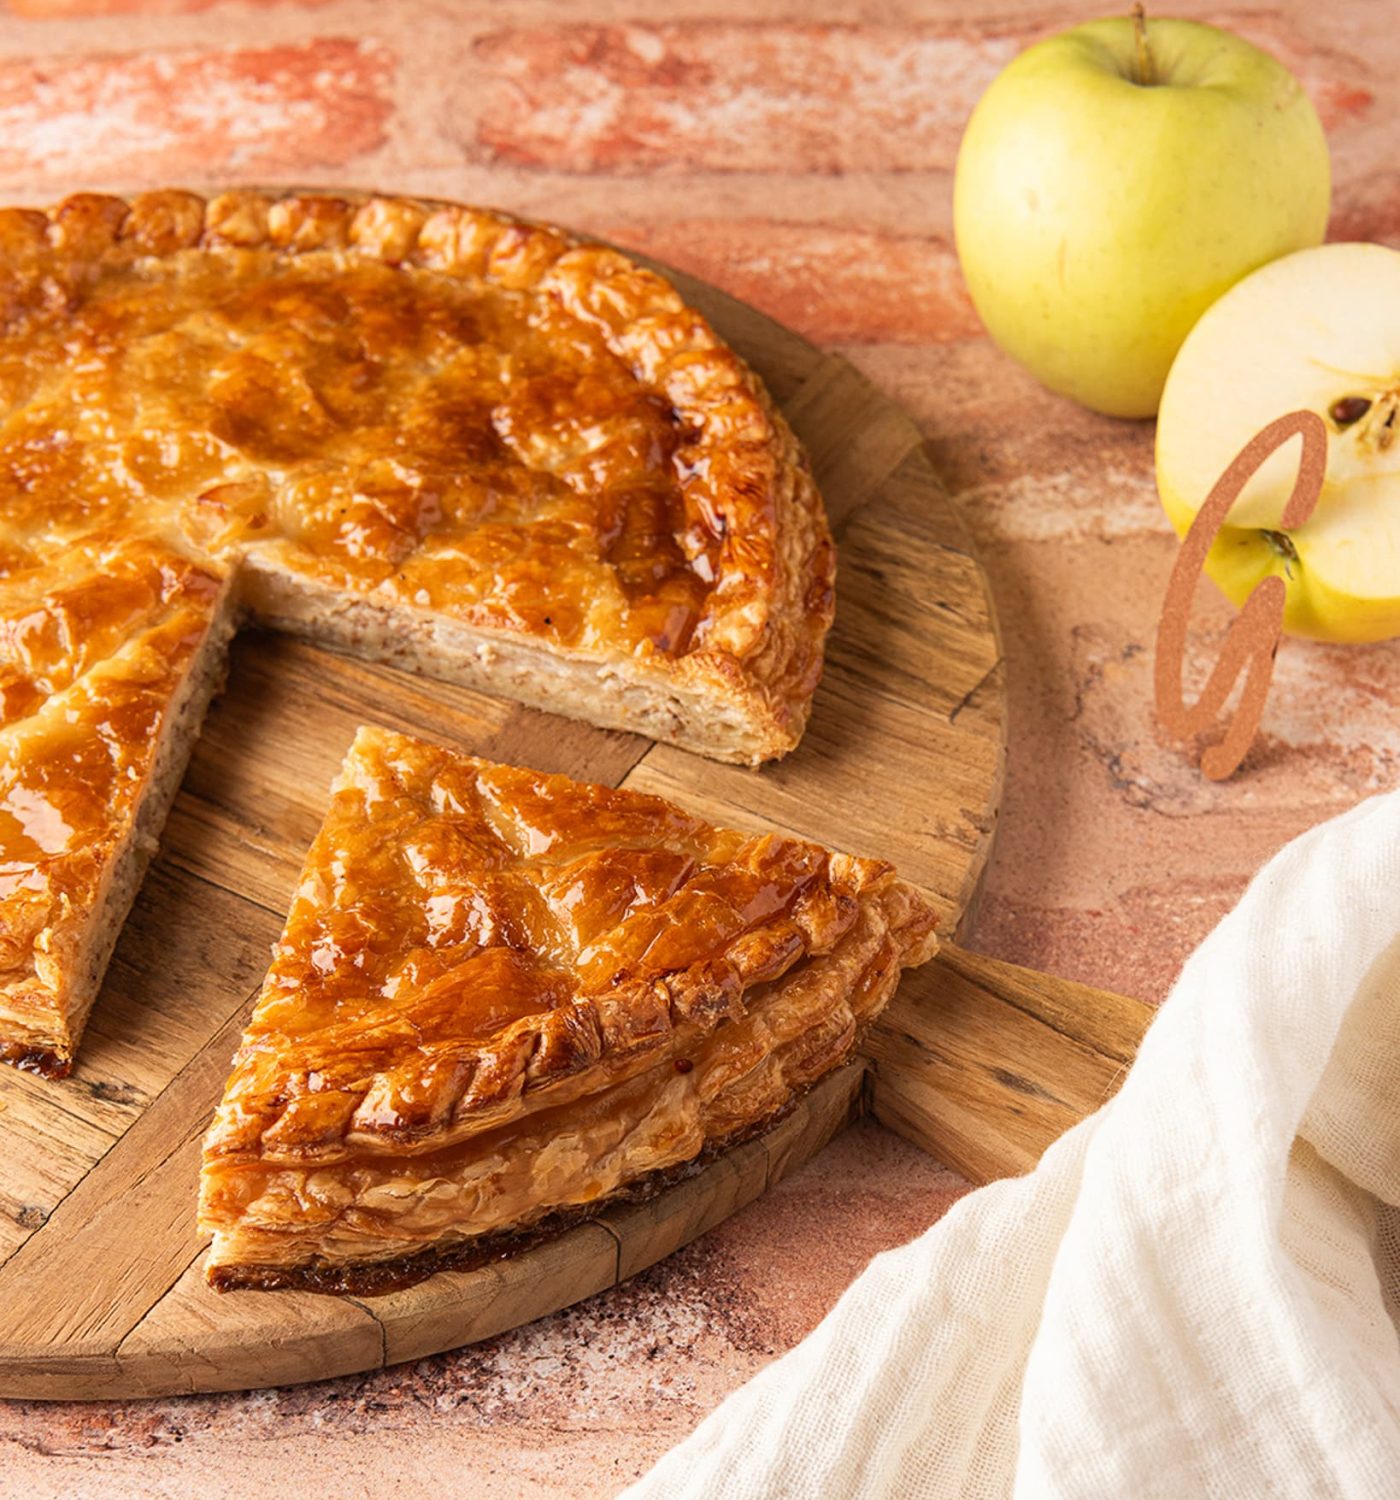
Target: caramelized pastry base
[
  {"x": 379, "y": 1278},
  {"x": 45, "y": 1061}
]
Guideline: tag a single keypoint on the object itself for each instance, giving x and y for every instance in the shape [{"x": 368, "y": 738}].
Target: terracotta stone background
[{"x": 800, "y": 156}]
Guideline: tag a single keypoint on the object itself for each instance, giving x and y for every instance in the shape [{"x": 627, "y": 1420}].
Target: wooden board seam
[
  {"x": 121, "y": 1135},
  {"x": 38, "y": 1243},
  {"x": 113, "y": 1137},
  {"x": 616, "y": 1238},
  {"x": 834, "y": 367},
  {"x": 970, "y": 695},
  {"x": 367, "y": 1309},
  {"x": 156, "y": 1302},
  {"x": 206, "y": 878}
]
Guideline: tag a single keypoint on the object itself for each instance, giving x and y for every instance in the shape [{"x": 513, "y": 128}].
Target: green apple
[
  {"x": 1319, "y": 330},
  {"x": 1114, "y": 181}
]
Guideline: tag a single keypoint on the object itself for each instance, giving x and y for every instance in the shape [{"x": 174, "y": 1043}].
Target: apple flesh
[
  {"x": 1114, "y": 181},
  {"x": 1319, "y": 330}
]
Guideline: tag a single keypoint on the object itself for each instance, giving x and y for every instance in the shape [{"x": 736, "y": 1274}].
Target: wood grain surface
[
  {"x": 100, "y": 1285},
  {"x": 984, "y": 1063}
]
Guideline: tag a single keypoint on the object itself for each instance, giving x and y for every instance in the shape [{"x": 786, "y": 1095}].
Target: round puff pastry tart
[
  {"x": 433, "y": 434},
  {"x": 429, "y": 434}
]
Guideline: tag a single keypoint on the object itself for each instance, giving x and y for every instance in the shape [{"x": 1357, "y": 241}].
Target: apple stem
[{"x": 1144, "y": 73}]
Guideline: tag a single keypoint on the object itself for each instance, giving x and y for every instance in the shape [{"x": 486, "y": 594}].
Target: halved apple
[{"x": 1320, "y": 330}]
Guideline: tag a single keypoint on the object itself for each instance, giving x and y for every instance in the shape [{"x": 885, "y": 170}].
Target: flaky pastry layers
[
  {"x": 502, "y": 997},
  {"x": 430, "y": 434}
]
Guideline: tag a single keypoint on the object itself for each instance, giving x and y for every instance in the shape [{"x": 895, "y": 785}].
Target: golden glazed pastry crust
[
  {"x": 431, "y": 434},
  {"x": 502, "y": 996}
]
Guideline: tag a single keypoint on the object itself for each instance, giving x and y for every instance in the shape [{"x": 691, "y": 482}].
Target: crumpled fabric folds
[{"x": 1195, "y": 1292}]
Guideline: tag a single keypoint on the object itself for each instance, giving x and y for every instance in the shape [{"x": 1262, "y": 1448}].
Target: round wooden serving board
[{"x": 101, "y": 1285}]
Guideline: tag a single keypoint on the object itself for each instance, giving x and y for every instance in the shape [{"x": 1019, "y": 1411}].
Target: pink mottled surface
[{"x": 799, "y": 156}]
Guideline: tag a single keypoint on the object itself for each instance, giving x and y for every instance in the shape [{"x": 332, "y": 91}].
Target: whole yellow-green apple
[
  {"x": 1319, "y": 330},
  {"x": 1114, "y": 181}
]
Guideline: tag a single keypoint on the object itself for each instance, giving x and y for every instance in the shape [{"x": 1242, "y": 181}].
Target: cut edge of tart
[{"x": 503, "y": 999}]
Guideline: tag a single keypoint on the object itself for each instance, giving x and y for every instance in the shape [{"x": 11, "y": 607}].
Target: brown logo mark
[{"x": 1253, "y": 639}]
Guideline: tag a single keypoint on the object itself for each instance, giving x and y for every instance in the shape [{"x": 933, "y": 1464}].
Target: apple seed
[{"x": 1348, "y": 409}]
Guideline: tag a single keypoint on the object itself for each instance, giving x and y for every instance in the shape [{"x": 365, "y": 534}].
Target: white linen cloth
[{"x": 1195, "y": 1293}]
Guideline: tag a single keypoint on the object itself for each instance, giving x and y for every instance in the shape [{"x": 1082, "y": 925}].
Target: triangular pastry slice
[
  {"x": 502, "y": 997},
  {"x": 108, "y": 656}
]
